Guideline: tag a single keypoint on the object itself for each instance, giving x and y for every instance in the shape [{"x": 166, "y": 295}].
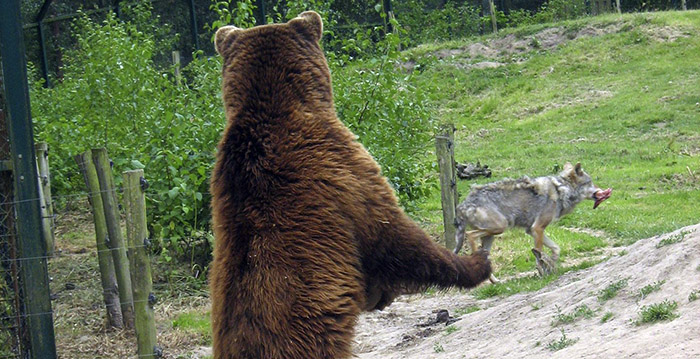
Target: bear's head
[{"x": 277, "y": 64}]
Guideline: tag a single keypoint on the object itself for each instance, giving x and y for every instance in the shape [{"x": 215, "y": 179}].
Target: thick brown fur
[{"x": 308, "y": 232}]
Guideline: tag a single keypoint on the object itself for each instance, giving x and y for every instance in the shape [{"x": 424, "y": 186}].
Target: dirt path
[{"x": 523, "y": 325}]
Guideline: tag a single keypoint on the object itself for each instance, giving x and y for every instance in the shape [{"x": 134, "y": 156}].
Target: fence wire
[{"x": 13, "y": 334}]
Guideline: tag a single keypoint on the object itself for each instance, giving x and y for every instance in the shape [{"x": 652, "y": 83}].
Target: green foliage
[
  {"x": 650, "y": 288},
  {"x": 450, "y": 329},
  {"x": 561, "y": 343},
  {"x": 606, "y": 317},
  {"x": 558, "y": 10},
  {"x": 466, "y": 310},
  {"x": 239, "y": 15},
  {"x": 671, "y": 239},
  {"x": 581, "y": 311},
  {"x": 611, "y": 290},
  {"x": 693, "y": 296},
  {"x": 437, "y": 347},
  {"x": 452, "y": 21},
  {"x": 664, "y": 311},
  {"x": 113, "y": 96},
  {"x": 379, "y": 103},
  {"x": 525, "y": 284},
  {"x": 195, "y": 323}
]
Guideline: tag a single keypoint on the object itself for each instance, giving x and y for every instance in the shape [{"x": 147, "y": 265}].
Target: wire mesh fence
[{"x": 12, "y": 328}]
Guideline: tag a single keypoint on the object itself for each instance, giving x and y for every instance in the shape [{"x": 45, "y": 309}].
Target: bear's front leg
[{"x": 404, "y": 259}]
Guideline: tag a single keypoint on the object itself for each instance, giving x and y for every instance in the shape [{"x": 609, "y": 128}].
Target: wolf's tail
[{"x": 460, "y": 226}]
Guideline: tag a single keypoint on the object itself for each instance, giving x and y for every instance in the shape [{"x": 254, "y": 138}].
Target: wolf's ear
[
  {"x": 578, "y": 169},
  {"x": 568, "y": 167},
  {"x": 309, "y": 24},
  {"x": 225, "y": 37}
]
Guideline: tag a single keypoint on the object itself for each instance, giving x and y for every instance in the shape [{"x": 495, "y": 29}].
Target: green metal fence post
[
  {"x": 193, "y": 25},
  {"x": 32, "y": 248}
]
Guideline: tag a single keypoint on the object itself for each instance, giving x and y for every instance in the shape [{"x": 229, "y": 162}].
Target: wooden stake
[
  {"x": 142, "y": 285},
  {"x": 176, "y": 63},
  {"x": 492, "y": 8},
  {"x": 104, "y": 258},
  {"x": 448, "y": 186},
  {"x": 115, "y": 240},
  {"x": 42, "y": 160}
]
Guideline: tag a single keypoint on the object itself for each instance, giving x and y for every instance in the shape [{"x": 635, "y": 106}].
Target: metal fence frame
[{"x": 29, "y": 281}]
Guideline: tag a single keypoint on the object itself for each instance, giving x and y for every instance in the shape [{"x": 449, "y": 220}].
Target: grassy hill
[{"x": 620, "y": 94}]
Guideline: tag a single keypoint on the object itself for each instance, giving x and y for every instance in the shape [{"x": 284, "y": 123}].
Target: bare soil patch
[
  {"x": 497, "y": 51},
  {"x": 521, "y": 325}
]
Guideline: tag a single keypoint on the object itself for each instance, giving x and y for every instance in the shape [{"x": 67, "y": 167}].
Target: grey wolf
[{"x": 527, "y": 203}]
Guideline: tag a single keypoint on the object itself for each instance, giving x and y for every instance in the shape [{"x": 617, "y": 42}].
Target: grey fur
[{"x": 529, "y": 203}]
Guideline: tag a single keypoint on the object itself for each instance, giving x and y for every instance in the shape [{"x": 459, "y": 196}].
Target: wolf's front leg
[{"x": 545, "y": 265}]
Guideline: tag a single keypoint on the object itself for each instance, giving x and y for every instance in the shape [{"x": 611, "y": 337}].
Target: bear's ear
[
  {"x": 225, "y": 36},
  {"x": 309, "y": 24}
]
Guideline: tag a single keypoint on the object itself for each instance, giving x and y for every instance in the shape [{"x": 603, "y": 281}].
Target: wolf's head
[{"x": 582, "y": 184}]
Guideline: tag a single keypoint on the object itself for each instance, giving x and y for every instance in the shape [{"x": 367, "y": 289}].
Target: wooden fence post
[
  {"x": 492, "y": 10},
  {"x": 142, "y": 285},
  {"x": 115, "y": 240},
  {"x": 42, "y": 160},
  {"x": 444, "y": 144},
  {"x": 104, "y": 256},
  {"x": 176, "y": 63}
]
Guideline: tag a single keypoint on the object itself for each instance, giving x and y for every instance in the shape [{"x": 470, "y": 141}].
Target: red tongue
[{"x": 601, "y": 196}]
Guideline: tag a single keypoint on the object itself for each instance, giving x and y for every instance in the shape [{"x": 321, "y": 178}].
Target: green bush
[
  {"x": 452, "y": 21},
  {"x": 113, "y": 96},
  {"x": 376, "y": 99}
]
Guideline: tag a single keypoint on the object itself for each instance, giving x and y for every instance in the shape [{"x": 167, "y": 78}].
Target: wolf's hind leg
[
  {"x": 486, "y": 243},
  {"x": 553, "y": 247}
]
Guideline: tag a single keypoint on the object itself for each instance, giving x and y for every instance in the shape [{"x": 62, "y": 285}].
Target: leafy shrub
[
  {"x": 664, "y": 311},
  {"x": 562, "y": 343},
  {"x": 450, "y": 22},
  {"x": 650, "y": 288},
  {"x": 580, "y": 311},
  {"x": 558, "y": 10},
  {"x": 113, "y": 96},
  {"x": 611, "y": 290},
  {"x": 376, "y": 99}
]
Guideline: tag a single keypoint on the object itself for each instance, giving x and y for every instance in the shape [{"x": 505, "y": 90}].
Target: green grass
[
  {"x": 450, "y": 329},
  {"x": 466, "y": 310},
  {"x": 664, "y": 311},
  {"x": 561, "y": 343},
  {"x": 606, "y": 317},
  {"x": 525, "y": 284},
  {"x": 671, "y": 239},
  {"x": 611, "y": 290},
  {"x": 623, "y": 104},
  {"x": 693, "y": 296},
  {"x": 196, "y": 323},
  {"x": 650, "y": 288},
  {"x": 582, "y": 311}
]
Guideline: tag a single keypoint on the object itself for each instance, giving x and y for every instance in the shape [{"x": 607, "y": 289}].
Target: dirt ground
[
  {"x": 518, "y": 326},
  {"x": 524, "y": 325}
]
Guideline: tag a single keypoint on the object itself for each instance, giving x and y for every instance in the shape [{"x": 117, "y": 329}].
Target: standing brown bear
[{"x": 308, "y": 232}]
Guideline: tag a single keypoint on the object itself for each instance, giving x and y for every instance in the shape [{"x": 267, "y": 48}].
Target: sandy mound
[{"x": 524, "y": 325}]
